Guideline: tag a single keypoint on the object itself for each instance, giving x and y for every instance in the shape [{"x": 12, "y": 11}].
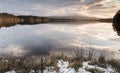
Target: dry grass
[
  {"x": 94, "y": 70},
  {"x": 21, "y": 65},
  {"x": 115, "y": 64},
  {"x": 76, "y": 65}
]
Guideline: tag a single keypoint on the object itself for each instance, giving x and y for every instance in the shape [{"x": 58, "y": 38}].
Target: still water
[{"x": 21, "y": 40}]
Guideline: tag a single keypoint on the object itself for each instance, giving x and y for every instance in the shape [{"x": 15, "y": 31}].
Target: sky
[{"x": 103, "y": 8}]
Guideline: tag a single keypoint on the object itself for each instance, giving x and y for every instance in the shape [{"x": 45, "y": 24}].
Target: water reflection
[
  {"x": 9, "y": 24},
  {"x": 6, "y": 24},
  {"x": 44, "y": 39}
]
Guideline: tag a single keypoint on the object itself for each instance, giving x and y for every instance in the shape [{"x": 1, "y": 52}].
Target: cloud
[
  {"x": 49, "y": 7},
  {"x": 104, "y": 3},
  {"x": 81, "y": 0}
]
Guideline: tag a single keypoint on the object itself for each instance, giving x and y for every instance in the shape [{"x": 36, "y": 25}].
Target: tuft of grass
[
  {"x": 115, "y": 64},
  {"x": 100, "y": 62},
  {"x": 13, "y": 64},
  {"x": 76, "y": 65},
  {"x": 93, "y": 70},
  {"x": 93, "y": 62}
]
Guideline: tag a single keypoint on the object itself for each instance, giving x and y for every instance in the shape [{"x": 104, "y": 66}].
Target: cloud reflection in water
[{"x": 44, "y": 38}]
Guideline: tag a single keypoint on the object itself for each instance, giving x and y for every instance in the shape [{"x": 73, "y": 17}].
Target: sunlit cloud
[{"x": 54, "y": 7}]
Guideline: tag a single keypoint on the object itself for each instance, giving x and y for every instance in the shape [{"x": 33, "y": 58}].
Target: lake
[{"x": 43, "y": 39}]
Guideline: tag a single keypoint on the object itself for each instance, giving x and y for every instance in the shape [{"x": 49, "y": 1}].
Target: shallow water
[{"x": 42, "y": 38}]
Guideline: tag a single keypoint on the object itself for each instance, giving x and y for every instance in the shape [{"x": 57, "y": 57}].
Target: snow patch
[
  {"x": 64, "y": 68},
  {"x": 11, "y": 71}
]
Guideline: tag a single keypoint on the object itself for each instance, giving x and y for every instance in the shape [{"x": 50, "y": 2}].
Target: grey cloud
[
  {"x": 36, "y": 7},
  {"x": 44, "y": 7}
]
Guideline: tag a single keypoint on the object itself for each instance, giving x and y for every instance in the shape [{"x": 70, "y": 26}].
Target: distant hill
[{"x": 76, "y": 18}]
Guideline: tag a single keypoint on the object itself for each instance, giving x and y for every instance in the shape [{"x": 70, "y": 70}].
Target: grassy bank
[{"x": 25, "y": 65}]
